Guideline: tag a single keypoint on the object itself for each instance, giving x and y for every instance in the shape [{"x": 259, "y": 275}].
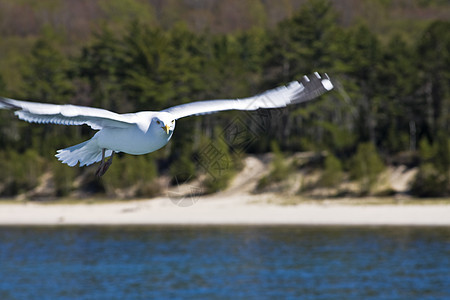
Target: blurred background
[{"x": 389, "y": 59}]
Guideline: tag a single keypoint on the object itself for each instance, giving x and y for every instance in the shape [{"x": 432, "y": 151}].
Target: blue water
[{"x": 256, "y": 262}]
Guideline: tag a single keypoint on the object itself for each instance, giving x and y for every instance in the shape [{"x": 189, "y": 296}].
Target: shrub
[
  {"x": 332, "y": 173},
  {"x": 365, "y": 166},
  {"x": 63, "y": 178},
  {"x": 280, "y": 169},
  {"x": 129, "y": 171},
  {"x": 220, "y": 165},
  {"x": 20, "y": 171},
  {"x": 430, "y": 182},
  {"x": 433, "y": 177},
  {"x": 183, "y": 168}
]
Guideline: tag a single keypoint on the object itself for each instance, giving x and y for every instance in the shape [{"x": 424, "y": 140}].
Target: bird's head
[{"x": 165, "y": 122}]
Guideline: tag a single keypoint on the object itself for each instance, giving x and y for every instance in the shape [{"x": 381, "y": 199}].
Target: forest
[{"x": 389, "y": 61}]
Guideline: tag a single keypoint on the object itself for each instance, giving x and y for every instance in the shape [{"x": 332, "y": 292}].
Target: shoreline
[{"x": 225, "y": 210}]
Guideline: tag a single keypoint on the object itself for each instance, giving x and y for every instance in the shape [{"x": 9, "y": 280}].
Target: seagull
[{"x": 147, "y": 131}]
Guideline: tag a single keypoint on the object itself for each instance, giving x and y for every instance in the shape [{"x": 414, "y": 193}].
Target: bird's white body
[
  {"x": 147, "y": 131},
  {"x": 134, "y": 139},
  {"x": 141, "y": 137}
]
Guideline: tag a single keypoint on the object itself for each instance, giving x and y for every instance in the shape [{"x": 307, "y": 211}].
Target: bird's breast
[{"x": 131, "y": 140}]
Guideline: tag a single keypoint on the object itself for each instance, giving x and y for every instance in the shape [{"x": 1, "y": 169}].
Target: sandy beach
[{"x": 235, "y": 210}]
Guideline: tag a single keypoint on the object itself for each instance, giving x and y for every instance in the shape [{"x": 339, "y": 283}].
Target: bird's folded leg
[{"x": 104, "y": 164}]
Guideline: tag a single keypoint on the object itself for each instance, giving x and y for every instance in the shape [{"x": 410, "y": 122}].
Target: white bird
[{"x": 147, "y": 131}]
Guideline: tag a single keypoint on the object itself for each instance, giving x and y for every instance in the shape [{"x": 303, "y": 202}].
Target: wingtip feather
[{"x": 5, "y": 103}]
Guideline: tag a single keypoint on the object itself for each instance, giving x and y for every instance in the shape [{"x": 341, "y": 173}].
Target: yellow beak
[{"x": 167, "y": 128}]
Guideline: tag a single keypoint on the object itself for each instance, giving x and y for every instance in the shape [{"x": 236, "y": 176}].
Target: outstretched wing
[
  {"x": 65, "y": 114},
  {"x": 308, "y": 88}
]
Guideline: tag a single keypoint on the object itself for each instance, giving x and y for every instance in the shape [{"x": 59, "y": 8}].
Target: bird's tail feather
[{"x": 86, "y": 153}]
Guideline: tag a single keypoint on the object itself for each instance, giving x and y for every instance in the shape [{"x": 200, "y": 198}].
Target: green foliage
[
  {"x": 442, "y": 159},
  {"x": 130, "y": 171},
  {"x": 46, "y": 73},
  {"x": 280, "y": 169},
  {"x": 100, "y": 67},
  {"x": 183, "y": 169},
  {"x": 437, "y": 153},
  {"x": 216, "y": 160},
  {"x": 148, "y": 66},
  {"x": 433, "y": 177},
  {"x": 20, "y": 171},
  {"x": 430, "y": 182},
  {"x": 433, "y": 49},
  {"x": 365, "y": 166},
  {"x": 63, "y": 178},
  {"x": 340, "y": 139},
  {"x": 302, "y": 43},
  {"x": 332, "y": 173},
  {"x": 427, "y": 151}
]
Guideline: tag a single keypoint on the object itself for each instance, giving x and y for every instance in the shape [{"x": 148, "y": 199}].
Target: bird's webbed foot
[{"x": 104, "y": 164}]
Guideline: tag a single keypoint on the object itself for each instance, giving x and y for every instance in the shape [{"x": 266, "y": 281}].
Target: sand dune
[{"x": 236, "y": 205}]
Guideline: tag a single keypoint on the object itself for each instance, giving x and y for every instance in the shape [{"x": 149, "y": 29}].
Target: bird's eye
[{"x": 158, "y": 122}]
